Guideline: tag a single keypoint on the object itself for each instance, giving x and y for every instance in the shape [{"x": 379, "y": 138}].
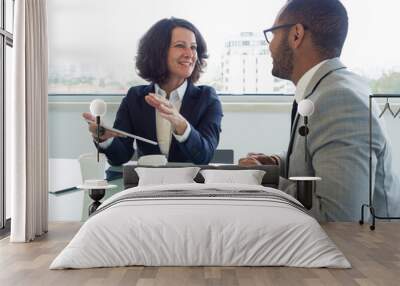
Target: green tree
[{"x": 389, "y": 82}]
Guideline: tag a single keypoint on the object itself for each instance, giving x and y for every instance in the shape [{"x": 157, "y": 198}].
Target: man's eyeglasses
[{"x": 269, "y": 35}]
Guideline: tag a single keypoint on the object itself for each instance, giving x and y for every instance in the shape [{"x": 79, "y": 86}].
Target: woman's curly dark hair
[{"x": 151, "y": 59}]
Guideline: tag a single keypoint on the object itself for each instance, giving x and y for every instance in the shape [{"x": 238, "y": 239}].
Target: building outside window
[{"x": 246, "y": 76}]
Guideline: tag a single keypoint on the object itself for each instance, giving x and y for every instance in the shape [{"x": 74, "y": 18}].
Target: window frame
[{"x": 6, "y": 39}]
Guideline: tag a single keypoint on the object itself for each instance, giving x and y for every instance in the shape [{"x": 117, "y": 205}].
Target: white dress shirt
[
  {"x": 163, "y": 126},
  {"x": 304, "y": 81}
]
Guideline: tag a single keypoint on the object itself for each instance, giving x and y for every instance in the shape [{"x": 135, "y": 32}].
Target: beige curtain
[{"x": 28, "y": 148}]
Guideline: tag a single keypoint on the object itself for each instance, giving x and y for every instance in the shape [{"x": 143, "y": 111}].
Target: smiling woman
[
  {"x": 183, "y": 118},
  {"x": 176, "y": 40}
]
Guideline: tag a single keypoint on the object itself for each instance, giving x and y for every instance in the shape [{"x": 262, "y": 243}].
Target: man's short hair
[
  {"x": 152, "y": 55},
  {"x": 326, "y": 20}
]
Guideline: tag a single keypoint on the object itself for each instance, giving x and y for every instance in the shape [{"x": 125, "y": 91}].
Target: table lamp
[
  {"x": 305, "y": 109},
  {"x": 305, "y": 185},
  {"x": 98, "y": 108}
]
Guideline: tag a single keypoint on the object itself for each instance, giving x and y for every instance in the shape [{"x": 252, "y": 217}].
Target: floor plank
[{"x": 374, "y": 255}]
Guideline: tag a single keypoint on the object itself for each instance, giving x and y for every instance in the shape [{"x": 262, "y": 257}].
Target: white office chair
[{"x": 90, "y": 168}]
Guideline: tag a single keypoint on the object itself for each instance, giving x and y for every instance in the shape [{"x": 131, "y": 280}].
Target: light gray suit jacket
[{"x": 338, "y": 148}]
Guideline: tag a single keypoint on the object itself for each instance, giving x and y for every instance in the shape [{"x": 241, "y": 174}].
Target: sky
[{"x": 102, "y": 35}]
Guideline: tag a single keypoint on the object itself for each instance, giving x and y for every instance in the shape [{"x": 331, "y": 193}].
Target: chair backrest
[
  {"x": 223, "y": 156},
  {"x": 90, "y": 168}
]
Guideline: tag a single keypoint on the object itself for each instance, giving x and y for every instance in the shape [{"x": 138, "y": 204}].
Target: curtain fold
[{"x": 28, "y": 158}]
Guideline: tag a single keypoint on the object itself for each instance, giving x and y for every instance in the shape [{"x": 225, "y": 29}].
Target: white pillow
[
  {"x": 152, "y": 160},
  {"x": 248, "y": 177},
  {"x": 166, "y": 176}
]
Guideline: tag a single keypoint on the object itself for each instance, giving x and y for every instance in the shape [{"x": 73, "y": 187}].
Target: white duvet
[{"x": 200, "y": 231}]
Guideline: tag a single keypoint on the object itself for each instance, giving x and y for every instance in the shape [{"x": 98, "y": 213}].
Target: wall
[
  {"x": 258, "y": 126},
  {"x": 261, "y": 125}
]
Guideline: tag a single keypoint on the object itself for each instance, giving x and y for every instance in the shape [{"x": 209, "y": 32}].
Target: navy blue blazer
[{"x": 201, "y": 108}]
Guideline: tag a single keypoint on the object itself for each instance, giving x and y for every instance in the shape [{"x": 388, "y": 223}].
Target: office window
[
  {"x": 6, "y": 41},
  {"x": 9, "y": 12},
  {"x": 2, "y": 127},
  {"x": 8, "y": 82},
  {"x": 95, "y": 52}
]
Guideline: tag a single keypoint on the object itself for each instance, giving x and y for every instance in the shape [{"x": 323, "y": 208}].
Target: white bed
[{"x": 265, "y": 229}]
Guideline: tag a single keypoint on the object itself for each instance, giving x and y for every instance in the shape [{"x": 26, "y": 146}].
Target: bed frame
[{"x": 270, "y": 179}]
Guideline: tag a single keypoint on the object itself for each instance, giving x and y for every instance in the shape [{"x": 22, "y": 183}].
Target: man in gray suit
[{"x": 305, "y": 42}]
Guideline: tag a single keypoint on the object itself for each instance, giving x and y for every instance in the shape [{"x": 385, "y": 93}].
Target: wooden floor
[{"x": 374, "y": 255}]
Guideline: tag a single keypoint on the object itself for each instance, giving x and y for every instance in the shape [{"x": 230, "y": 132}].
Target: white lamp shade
[
  {"x": 306, "y": 107},
  {"x": 98, "y": 107}
]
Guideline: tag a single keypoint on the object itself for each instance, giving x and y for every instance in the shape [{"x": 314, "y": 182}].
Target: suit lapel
[
  {"x": 189, "y": 100},
  {"x": 323, "y": 71},
  {"x": 149, "y": 114}
]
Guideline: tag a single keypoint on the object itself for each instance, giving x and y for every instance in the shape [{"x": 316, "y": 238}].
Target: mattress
[{"x": 201, "y": 225}]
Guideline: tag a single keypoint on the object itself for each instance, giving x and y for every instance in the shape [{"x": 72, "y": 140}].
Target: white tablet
[{"x": 126, "y": 134}]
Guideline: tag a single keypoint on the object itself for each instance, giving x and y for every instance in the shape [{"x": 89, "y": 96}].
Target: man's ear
[{"x": 297, "y": 36}]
